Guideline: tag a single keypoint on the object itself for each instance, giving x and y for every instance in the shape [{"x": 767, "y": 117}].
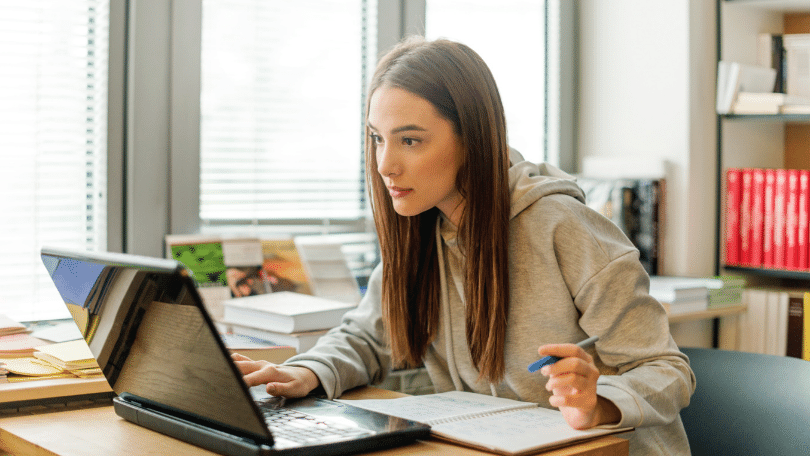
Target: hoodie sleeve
[
  {"x": 353, "y": 353},
  {"x": 652, "y": 379}
]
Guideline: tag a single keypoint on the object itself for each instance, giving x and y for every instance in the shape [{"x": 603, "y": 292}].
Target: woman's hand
[
  {"x": 287, "y": 381},
  {"x": 572, "y": 382}
]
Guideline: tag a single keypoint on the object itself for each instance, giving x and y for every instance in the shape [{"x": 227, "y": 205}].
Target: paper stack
[
  {"x": 680, "y": 294},
  {"x": 73, "y": 356},
  {"x": 9, "y": 326},
  {"x": 31, "y": 368},
  {"x": 19, "y": 345},
  {"x": 17, "y": 348}
]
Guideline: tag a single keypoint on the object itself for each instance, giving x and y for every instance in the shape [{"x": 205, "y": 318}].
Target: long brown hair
[{"x": 457, "y": 82}]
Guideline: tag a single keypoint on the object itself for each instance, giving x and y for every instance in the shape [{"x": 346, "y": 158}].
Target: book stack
[
  {"x": 734, "y": 78},
  {"x": 283, "y": 318},
  {"x": 777, "y": 84},
  {"x": 725, "y": 290},
  {"x": 766, "y": 214},
  {"x": 680, "y": 295},
  {"x": 721, "y": 291}
]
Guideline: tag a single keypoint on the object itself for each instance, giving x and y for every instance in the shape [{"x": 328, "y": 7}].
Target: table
[{"x": 96, "y": 429}]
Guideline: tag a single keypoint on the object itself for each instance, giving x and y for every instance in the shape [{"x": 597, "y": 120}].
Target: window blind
[
  {"x": 281, "y": 110},
  {"x": 53, "y": 86},
  {"x": 510, "y": 36}
]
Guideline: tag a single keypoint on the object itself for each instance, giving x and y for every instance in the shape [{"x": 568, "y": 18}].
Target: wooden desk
[
  {"x": 35, "y": 390},
  {"x": 98, "y": 430}
]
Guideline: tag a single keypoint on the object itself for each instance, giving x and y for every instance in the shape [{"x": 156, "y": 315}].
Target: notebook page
[
  {"x": 435, "y": 408},
  {"x": 516, "y": 432}
]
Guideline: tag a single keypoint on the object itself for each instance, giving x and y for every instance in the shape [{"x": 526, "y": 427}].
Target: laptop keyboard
[{"x": 301, "y": 428}]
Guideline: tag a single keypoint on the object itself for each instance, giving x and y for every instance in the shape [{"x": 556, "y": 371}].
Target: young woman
[{"x": 488, "y": 263}]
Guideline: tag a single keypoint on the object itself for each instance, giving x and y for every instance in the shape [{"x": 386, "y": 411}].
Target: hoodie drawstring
[{"x": 448, "y": 335}]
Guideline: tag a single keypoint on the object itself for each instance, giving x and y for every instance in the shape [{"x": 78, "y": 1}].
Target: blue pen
[{"x": 546, "y": 360}]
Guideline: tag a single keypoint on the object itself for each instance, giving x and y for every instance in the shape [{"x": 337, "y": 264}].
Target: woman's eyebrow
[{"x": 411, "y": 127}]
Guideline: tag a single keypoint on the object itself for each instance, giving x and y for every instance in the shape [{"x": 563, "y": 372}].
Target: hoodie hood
[{"x": 529, "y": 182}]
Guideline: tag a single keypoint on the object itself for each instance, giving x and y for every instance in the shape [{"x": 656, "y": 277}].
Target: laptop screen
[{"x": 143, "y": 321}]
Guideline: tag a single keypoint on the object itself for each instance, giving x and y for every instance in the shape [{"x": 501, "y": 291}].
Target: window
[
  {"x": 282, "y": 87},
  {"x": 489, "y": 28},
  {"x": 53, "y": 114},
  {"x": 281, "y": 110}
]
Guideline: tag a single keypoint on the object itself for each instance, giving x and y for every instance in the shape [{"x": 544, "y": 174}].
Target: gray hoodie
[{"x": 573, "y": 274}]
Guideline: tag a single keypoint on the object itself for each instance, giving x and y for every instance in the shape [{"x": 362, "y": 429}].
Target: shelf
[
  {"x": 785, "y": 6},
  {"x": 708, "y": 314},
  {"x": 769, "y": 117},
  {"x": 775, "y": 273}
]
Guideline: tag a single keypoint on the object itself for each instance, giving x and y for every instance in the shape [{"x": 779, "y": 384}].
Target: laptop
[{"x": 161, "y": 353}]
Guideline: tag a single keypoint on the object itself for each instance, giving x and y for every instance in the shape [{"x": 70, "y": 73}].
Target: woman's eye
[
  {"x": 376, "y": 139},
  {"x": 409, "y": 141}
]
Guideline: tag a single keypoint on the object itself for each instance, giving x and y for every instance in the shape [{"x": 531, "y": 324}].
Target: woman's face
[{"x": 418, "y": 153}]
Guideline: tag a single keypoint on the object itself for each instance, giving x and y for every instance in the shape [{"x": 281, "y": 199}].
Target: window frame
[{"x": 154, "y": 133}]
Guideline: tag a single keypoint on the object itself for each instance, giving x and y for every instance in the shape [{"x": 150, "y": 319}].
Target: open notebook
[
  {"x": 496, "y": 424},
  {"x": 161, "y": 353}
]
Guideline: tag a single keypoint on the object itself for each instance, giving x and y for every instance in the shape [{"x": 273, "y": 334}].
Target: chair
[{"x": 748, "y": 404}]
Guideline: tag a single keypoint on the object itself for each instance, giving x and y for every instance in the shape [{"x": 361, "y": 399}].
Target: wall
[{"x": 646, "y": 90}]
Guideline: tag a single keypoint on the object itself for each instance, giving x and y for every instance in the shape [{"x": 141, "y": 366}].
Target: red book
[
  {"x": 767, "y": 237},
  {"x": 745, "y": 216},
  {"x": 779, "y": 213},
  {"x": 792, "y": 221},
  {"x": 733, "y": 193},
  {"x": 804, "y": 219},
  {"x": 757, "y": 217}
]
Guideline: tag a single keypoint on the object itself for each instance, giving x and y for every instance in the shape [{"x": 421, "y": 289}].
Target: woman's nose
[{"x": 386, "y": 162}]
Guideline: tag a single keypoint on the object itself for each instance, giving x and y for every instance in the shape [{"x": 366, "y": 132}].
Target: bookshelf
[{"x": 758, "y": 141}]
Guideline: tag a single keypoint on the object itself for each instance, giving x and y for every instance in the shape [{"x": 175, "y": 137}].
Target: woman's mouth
[{"x": 399, "y": 192}]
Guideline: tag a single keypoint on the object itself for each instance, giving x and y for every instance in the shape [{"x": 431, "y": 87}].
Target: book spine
[
  {"x": 772, "y": 324},
  {"x": 778, "y": 62},
  {"x": 804, "y": 220},
  {"x": 646, "y": 236},
  {"x": 768, "y": 220},
  {"x": 792, "y": 221},
  {"x": 806, "y": 328},
  {"x": 757, "y": 217},
  {"x": 779, "y": 214},
  {"x": 745, "y": 216},
  {"x": 795, "y": 325},
  {"x": 732, "y": 237}
]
